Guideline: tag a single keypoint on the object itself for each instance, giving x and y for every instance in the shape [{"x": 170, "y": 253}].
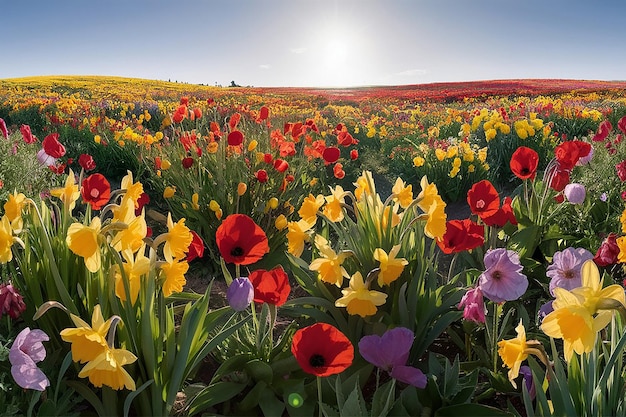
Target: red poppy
[
  {"x": 187, "y": 162},
  {"x": 608, "y": 251},
  {"x": 483, "y": 199},
  {"x": 338, "y": 171},
  {"x": 461, "y": 235},
  {"x": 281, "y": 165},
  {"x": 568, "y": 153},
  {"x": 264, "y": 113},
  {"x": 503, "y": 215},
  {"x": 268, "y": 158},
  {"x": 297, "y": 130},
  {"x": 235, "y": 138},
  {"x": 603, "y": 131},
  {"x": 96, "y": 191},
  {"x": 560, "y": 179},
  {"x": 322, "y": 350},
  {"x": 354, "y": 154},
  {"x": 52, "y": 146},
  {"x": 621, "y": 170},
  {"x": 345, "y": 139},
  {"x": 196, "y": 247},
  {"x": 141, "y": 202},
  {"x": 180, "y": 113},
  {"x": 215, "y": 129},
  {"x": 197, "y": 112},
  {"x": 86, "y": 162},
  {"x": 524, "y": 162},
  {"x": 621, "y": 124},
  {"x": 234, "y": 121},
  {"x": 271, "y": 287},
  {"x": 27, "y": 134},
  {"x": 240, "y": 240},
  {"x": 261, "y": 175},
  {"x": 331, "y": 154},
  {"x": 184, "y": 101}
]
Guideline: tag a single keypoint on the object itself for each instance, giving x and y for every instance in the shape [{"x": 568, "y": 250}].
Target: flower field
[{"x": 431, "y": 250}]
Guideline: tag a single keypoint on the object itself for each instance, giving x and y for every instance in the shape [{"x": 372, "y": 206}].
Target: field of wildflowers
[{"x": 338, "y": 277}]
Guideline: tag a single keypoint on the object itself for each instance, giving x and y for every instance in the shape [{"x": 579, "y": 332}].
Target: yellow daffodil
[
  {"x": 169, "y": 191},
  {"x": 83, "y": 241},
  {"x": 428, "y": 195},
  {"x": 435, "y": 226},
  {"x": 6, "y": 240},
  {"x": 359, "y": 299},
  {"x": 403, "y": 193},
  {"x": 309, "y": 208},
  {"x": 174, "y": 276},
  {"x": 513, "y": 352},
  {"x": 333, "y": 209},
  {"x": 137, "y": 229},
  {"x": 328, "y": 266},
  {"x": 364, "y": 186},
  {"x": 69, "y": 193},
  {"x": 13, "y": 210},
  {"x": 133, "y": 189},
  {"x": 107, "y": 369},
  {"x": 592, "y": 293},
  {"x": 390, "y": 267},
  {"x": 177, "y": 239},
  {"x": 297, "y": 234},
  {"x": 390, "y": 212},
  {"x": 134, "y": 267},
  {"x": 87, "y": 341}
]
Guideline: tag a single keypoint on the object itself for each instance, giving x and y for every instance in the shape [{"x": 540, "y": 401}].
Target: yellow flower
[
  {"x": 165, "y": 164},
  {"x": 137, "y": 229},
  {"x": 621, "y": 244},
  {"x": 83, "y": 241},
  {"x": 214, "y": 205},
  {"x": 359, "y": 299},
  {"x": 333, "y": 209},
  {"x": 364, "y": 185},
  {"x": 328, "y": 266},
  {"x": 177, "y": 239},
  {"x": 297, "y": 235},
  {"x": 440, "y": 154},
  {"x": 87, "y": 341},
  {"x": 252, "y": 145},
  {"x": 242, "y": 187},
  {"x": 169, "y": 192},
  {"x": 68, "y": 194},
  {"x": 212, "y": 147},
  {"x": 592, "y": 293},
  {"x": 390, "y": 267},
  {"x": 174, "y": 276},
  {"x": 273, "y": 203},
  {"x": 403, "y": 194},
  {"x": 13, "y": 210},
  {"x": 134, "y": 268},
  {"x": 6, "y": 240},
  {"x": 622, "y": 220},
  {"x": 435, "y": 226},
  {"x": 513, "y": 352},
  {"x": 281, "y": 222},
  {"x": 418, "y": 161},
  {"x": 97, "y": 139},
  {"x": 309, "y": 208},
  {"x": 194, "y": 201},
  {"x": 107, "y": 369},
  {"x": 133, "y": 189}
]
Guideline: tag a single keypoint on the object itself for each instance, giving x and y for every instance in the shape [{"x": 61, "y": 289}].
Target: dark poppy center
[
  {"x": 317, "y": 361},
  {"x": 569, "y": 274},
  {"x": 237, "y": 251},
  {"x": 525, "y": 171}
]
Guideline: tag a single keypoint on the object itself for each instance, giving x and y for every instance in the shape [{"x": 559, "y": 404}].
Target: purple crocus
[
  {"x": 390, "y": 352},
  {"x": 564, "y": 272},
  {"x": 240, "y": 293},
  {"x": 502, "y": 279},
  {"x": 25, "y": 352},
  {"x": 527, "y": 375},
  {"x": 473, "y": 305}
]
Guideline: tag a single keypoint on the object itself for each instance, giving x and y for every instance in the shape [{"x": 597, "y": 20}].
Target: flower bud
[
  {"x": 240, "y": 293},
  {"x": 575, "y": 193}
]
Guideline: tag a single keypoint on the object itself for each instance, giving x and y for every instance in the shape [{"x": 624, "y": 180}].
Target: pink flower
[
  {"x": 45, "y": 159},
  {"x": 473, "y": 305},
  {"x": 621, "y": 170},
  {"x": 25, "y": 352},
  {"x": 3, "y": 128},
  {"x": 621, "y": 125},
  {"x": 11, "y": 302},
  {"x": 502, "y": 279},
  {"x": 27, "y": 134}
]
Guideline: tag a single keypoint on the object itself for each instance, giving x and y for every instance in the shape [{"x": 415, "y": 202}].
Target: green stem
[
  {"x": 494, "y": 338},
  {"x": 319, "y": 396}
]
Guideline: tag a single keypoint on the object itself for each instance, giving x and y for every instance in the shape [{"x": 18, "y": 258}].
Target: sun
[{"x": 336, "y": 51}]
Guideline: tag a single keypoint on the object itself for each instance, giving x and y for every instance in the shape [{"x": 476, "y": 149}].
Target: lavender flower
[
  {"x": 527, "y": 375},
  {"x": 473, "y": 305},
  {"x": 564, "y": 272},
  {"x": 502, "y": 279},
  {"x": 575, "y": 193},
  {"x": 390, "y": 352},
  {"x": 25, "y": 352},
  {"x": 240, "y": 293},
  {"x": 604, "y": 196}
]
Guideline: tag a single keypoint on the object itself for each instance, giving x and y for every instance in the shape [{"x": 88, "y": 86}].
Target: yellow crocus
[
  {"x": 329, "y": 265},
  {"x": 390, "y": 267},
  {"x": 69, "y": 193},
  {"x": 83, "y": 241},
  {"x": 174, "y": 276},
  {"x": 359, "y": 299}
]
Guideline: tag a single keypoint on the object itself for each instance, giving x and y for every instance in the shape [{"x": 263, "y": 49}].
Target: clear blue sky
[{"x": 312, "y": 43}]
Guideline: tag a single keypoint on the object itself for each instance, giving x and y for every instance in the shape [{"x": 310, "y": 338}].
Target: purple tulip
[
  {"x": 25, "y": 352},
  {"x": 502, "y": 279},
  {"x": 240, "y": 293},
  {"x": 390, "y": 352}
]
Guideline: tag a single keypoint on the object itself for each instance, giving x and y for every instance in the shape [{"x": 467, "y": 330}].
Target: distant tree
[{"x": 234, "y": 84}]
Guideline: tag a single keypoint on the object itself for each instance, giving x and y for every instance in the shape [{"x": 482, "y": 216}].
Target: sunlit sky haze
[{"x": 315, "y": 43}]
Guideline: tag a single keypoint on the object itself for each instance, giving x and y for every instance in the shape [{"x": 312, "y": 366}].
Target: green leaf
[
  {"x": 471, "y": 410},
  {"x": 525, "y": 241},
  {"x": 129, "y": 399},
  {"x": 384, "y": 398},
  {"x": 260, "y": 370},
  {"x": 216, "y": 393},
  {"x": 355, "y": 404},
  {"x": 270, "y": 405}
]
